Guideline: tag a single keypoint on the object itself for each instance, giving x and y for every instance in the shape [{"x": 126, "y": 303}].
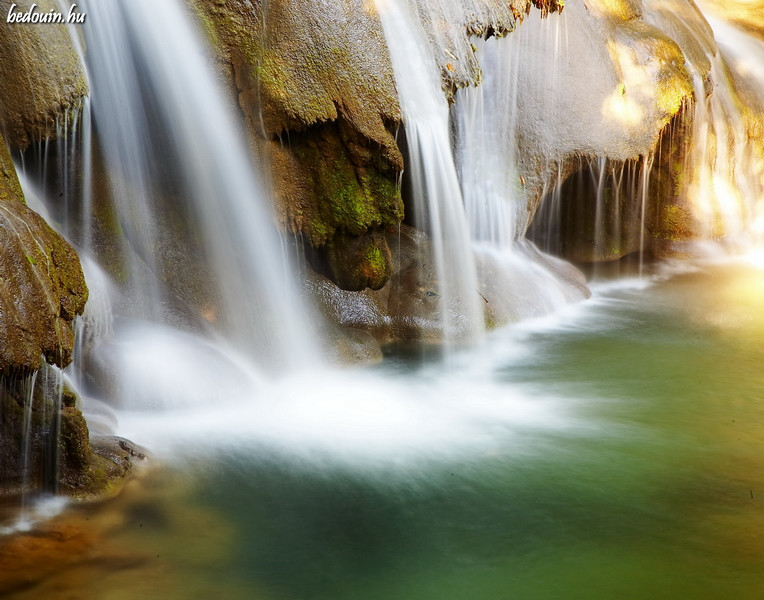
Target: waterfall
[
  {"x": 725, "y": 174},
  {"x": 730, "y": 186},
  {"x": 512, "y": 272},
  {"x": 156, "y": 154},
  {"x": 167, "y": 85},
  {"x": 438, "y": 203}
]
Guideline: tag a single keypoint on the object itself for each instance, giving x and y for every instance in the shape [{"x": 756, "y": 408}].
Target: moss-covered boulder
[
  {"x": 42, "y": 288},
  {"x": 359, "y": 262},
  {"x": 42, "y": 75}
]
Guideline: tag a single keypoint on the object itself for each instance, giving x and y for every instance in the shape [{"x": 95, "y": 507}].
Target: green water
[{"x": 648, "y": 484}]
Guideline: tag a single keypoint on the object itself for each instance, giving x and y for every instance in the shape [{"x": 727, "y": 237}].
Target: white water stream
[
  {"x": 438, "y": 204},
  {"x": 166, "y": 91}
]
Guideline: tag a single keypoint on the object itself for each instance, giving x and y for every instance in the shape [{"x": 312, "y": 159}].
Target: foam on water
[
  {"x": 41, "y": 509},
  {"x": 359, "y": 419}
]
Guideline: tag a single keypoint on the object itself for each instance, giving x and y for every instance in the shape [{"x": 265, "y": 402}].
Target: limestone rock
[
  {"x": 42, "y": 288},
  {"x": 315, "y": 84},
  {"x": 42, "y": 76}
]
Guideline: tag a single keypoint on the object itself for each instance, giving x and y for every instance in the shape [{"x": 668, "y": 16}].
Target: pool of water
[{"x": 614, "y": 450}]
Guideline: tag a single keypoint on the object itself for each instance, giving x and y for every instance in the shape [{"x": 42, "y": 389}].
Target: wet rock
[
  {"x": 45, "y": 443},
  {"x": 514, "y": 285},
  {"x": 42, "y": 288},
  {"x": 358, "y": 262},
  {"x": 42, "y": 76},
  {"x": 315, "y": 85}
]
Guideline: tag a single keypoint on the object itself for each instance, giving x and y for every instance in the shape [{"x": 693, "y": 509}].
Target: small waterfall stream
[
  {"x": 438, "y": 203},
  {"x": 511, "y": 269}
]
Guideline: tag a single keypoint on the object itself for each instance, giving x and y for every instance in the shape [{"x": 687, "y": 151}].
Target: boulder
[{"x": 42, "y": 76}]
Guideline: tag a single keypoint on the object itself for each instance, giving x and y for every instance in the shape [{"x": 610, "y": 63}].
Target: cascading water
[
  {"x": 728, "y": 183},
  {"x": 259, "y": 311},
  {"x": 511, "y": 270},
  {"x": 164, "y": 131},
  {"x": 438, "y": 203}
]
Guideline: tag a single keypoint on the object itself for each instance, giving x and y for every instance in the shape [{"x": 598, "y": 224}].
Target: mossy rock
[
  {"x": 359, "y": 262},
  {"x": 340, "y": 189},
  {"x": 42, "y": 77},
  {"x": 45, "y": 443},
  {"x": 42, "y": 288}
]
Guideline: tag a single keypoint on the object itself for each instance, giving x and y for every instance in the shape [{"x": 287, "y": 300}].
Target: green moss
[
  {"x": 375, "y": 259},
  {"x": 356, "y": 203},
  {"x": 675, "y": 223},
  {"x": 349, "y": 199}
]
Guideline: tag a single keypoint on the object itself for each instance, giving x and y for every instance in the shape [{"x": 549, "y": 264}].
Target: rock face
[
  {"x": 41, "y": 73},
  {"x": 42, "y": 288},
  {"x": 322, "y": 103},
  {"x": 315, "y": 85},
  {"x": 611, "y": 157},
  {"x": 44, "y": 439},
  {"x": 612, "y": 91}
]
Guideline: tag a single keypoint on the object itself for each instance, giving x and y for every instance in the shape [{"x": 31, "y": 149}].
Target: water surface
[{"x": 615, "y": 450}]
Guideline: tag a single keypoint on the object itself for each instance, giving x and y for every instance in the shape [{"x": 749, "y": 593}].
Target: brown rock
[{"x": 42, "y": 76}]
